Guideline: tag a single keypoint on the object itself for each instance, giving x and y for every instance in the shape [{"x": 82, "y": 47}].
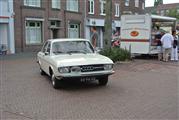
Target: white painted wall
[{"x": 7, "y": 17}]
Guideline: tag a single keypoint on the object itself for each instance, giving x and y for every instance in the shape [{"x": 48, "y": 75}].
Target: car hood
[{"x": 80, "y": 59}]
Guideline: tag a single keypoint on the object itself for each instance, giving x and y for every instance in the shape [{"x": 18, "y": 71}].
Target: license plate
[{"x": 86, "y": 79}]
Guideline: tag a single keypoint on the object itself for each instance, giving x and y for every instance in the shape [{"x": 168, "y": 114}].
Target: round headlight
[
  {"x": 64, "y": 69},
  {"x": 108, "y": 67}
]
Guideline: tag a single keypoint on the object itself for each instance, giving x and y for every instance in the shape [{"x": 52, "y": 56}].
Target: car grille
[{"x": 90, "y": 68}]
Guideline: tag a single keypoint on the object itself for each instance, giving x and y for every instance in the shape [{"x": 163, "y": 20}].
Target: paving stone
[{"x": 141, "y": 89}]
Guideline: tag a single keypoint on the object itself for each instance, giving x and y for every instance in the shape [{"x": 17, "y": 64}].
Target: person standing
[
  {"x": 159, "y": 44},
  {"x": 174, "y": 52},
  {"x": 167, "y": 41},
  {"x": 94, "y": 36}
]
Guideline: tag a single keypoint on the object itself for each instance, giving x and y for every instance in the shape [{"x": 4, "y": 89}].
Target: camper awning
[{"x": 163, "y": 18}]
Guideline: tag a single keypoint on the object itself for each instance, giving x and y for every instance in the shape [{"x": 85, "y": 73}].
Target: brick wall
[{"x": 45, "y": 12}]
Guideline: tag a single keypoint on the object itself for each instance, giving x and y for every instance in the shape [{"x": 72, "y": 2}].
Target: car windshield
[{"x": 69, "y": 47}]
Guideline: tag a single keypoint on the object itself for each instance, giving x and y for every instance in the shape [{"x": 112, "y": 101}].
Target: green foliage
[
  {"x": 116, "y": 54},
  {"x": 154, "y": 12},
  {"x": 158, "y": 2},
  {"x": 173, "y": 13}
]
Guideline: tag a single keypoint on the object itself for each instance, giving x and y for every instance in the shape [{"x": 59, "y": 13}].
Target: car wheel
[
  {"x": 54, "y": 81},
  {"x": 42, "y": 72},
  {"x": 103, "y": 81}
]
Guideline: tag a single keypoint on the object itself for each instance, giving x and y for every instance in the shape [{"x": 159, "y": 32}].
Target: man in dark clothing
[
  {"x": 174, "y": 52},
  {"x": 159, "y": 44}
]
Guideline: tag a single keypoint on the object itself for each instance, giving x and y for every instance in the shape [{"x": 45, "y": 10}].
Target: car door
[
  {"x": 43, "y": 55},
  {"x": 46, "y": 58}
]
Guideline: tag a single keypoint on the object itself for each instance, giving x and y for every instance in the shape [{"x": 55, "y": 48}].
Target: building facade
[
  {"x": 95, "y": 15},
  {"x": 164, "y": 9},
  {"x": 7, "y": 25},
  {"x": 39, "y": 20},
  {"x": 132, "y": 6}
]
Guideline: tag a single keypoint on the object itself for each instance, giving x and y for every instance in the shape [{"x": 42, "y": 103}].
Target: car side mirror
[{"x": 46, "y": 53}]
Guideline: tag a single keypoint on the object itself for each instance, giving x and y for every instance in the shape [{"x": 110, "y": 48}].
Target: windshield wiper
[
  {"x": 58, "y": 52},
  {"x": 70, "y": 52}
]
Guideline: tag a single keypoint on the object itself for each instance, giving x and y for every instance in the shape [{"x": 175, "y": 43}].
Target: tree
[
  {"x": 108, "y": 24},
  {"x": 158, "y": 2},
  {"x": 173, "y": 13}
]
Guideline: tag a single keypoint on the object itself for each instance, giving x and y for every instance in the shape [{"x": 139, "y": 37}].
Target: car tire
[
  {"x": 55, "y": 82},
  {"x": 103, "y": 81},
  {"x": 42, "y": 72}
]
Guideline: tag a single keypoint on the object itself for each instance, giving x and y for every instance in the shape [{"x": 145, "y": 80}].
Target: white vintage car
[{"x": 63, "y": 59}]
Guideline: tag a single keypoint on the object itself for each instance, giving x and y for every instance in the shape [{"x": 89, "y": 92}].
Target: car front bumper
[{"x": 85, "y": 74}]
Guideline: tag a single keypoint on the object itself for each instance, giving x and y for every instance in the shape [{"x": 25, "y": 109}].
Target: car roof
[{"x": 68, "y": 39}]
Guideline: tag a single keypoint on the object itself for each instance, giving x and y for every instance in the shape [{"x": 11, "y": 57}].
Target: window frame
[
  {"x": 56, "y": 4},
  {"x": 127, "y": 2},
  {"x": 117, "y": 10},
  {"x": 136, "y": 2},
  {"x": 78, "y": 28},
  {"x": 90, "y": 7},
  {"x": 68, "y": 5},
  {"x": 102, "y": 7},
  {"x": 37, "y": 25},
  {"x": 27, "y": 3}
]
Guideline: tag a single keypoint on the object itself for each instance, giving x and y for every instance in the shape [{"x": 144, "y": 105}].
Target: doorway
[
  {"x": 4, "y": 43},
  {"x": 54, "y": 33}
]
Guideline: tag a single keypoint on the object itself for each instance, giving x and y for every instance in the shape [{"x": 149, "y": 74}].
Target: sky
[{"x": 151, "y": 2}]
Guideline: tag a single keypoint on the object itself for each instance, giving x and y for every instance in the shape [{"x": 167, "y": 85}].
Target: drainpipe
[
  {"x": 65, "y": 27},
  {"x": 23, "y": 34},
  {"x": 85, "y": 19}
]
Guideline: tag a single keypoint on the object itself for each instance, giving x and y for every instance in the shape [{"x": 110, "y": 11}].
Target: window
[
  {"x": 48, "y": 47},
  {"x": 167, "y": 11},
  {"x": 45, "y": 46},
  {"x": 162, "y": 12},
  {"x": 126, "y": 2},
  {"x": 33, "y": 32},
  {"x": 56, "y": 4},
  {"x": 117, "y": 10},
  {"x": 136, "y": 3},
  {"x": 33, "y": 3},
  {"x": 73, "y": 31},
  {"x": 178, "y": 11},
  {"x": 62, "y": 47},
  {"x": 143, "y": 5},
  {"x": 91, "y": 6},
  {"x": 4, "y": 6},
  {"x": 102, "y": 7},
  {"x": 55, "y": 24},
  {"x": 72, "y": 5}
]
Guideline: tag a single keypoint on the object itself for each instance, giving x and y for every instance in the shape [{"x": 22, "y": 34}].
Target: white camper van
[{"x": 138, "y": 32}]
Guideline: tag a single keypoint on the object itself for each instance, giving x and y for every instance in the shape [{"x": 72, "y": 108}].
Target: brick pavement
[{"x": 142, "y": 89}]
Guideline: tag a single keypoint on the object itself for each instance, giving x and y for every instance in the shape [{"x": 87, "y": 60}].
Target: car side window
[{"x": 46, "y": 47}]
